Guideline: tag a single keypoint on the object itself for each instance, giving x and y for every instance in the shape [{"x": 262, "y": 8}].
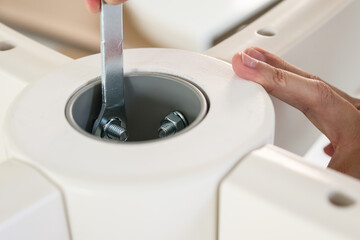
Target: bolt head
[{"x": 177, "y": 119}]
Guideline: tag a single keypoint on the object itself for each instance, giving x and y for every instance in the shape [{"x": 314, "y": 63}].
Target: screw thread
[
  {"x": 167, "y": 129},
  {"x": 113, "y": 130}
]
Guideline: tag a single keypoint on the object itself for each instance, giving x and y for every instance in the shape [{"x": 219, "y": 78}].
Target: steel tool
[{"x": 111, "y": 122}]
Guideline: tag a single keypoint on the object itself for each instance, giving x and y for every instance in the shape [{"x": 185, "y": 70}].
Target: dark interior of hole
[
  {"x": 341, "y": 200},
  {"x": 5, "y": 46},
  {"x": 148, "y": 99}
]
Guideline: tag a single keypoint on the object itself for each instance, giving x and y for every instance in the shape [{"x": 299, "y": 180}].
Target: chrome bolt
[
  {"x": 113, "y": 130},
  {"x": 172, "y": 123},
  {"x": 166, "y": 129}
]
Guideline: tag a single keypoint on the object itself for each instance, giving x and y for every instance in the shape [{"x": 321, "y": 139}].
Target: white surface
[
  {"x": 25, "y": 63},
  {"x": 316, "y": 154},
  {"x": 175, "y": 197},
  {"x": 140, "y": 191},
  {"x": 30, "y": 207},
  {"x": 316, "y": 35},
  {"x": 273, "y": 194},
  {"x": 191, "y": 25}
]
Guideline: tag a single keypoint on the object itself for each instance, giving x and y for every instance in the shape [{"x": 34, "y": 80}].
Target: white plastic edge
[
  {"x": 288, "y": 21},
  {"x": 27, "y": 60},
  {"x": 30, "y": 206},
  {"x": 22, "y": 61},
  {"x": 274, "y": 194}
]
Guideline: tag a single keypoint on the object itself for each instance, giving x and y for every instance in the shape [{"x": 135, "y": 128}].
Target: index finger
[
  {"x": 277, "y": 62},
  {"x": 326, "y": 109}
]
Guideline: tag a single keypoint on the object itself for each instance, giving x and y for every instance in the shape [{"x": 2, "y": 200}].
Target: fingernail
[
  {"x": 255, "y": 54},
  {"x": 248, "y": 61}
]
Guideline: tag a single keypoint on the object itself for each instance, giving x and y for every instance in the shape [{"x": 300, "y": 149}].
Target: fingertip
[
  {"x": 93, "y": 6},
  {"x": 236, "y": 63},
  {"x": 242, "y": 70}
]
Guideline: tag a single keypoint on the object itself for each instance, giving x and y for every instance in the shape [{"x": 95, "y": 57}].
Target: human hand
[
  {"x": 95, "y": 6},
  {"x": 333, "y": 112}
]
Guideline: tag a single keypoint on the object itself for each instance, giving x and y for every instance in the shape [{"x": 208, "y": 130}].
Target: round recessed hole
[
  {"x": 5, "y": 46},
  {"x": 266, "y": 32},
  {"x": 340, "y": 199},
  {"x": 149, "y": 97}
]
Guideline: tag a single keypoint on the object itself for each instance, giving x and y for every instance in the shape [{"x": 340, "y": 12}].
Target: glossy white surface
[
  {"x": 113, "y": 190},
  {"x": 25, "y": 63},
  {"x": 191, "y": 25},
  {"x": 31, "y": 208},
  {"x": 151, "y": 192},
  {"x": 316, "y": 155},
  {"x": 274, "y": 194}
]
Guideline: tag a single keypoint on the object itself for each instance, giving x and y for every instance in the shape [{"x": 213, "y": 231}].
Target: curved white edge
[
  {"x": 113, "y": 190},
  {"x": 26, "y": 62},
  {"x": 290, "y": 21},
  {"x": 274, "y": 194},
  {"x": 30, "y": 206},
  {"x": 220, "y": 84}
]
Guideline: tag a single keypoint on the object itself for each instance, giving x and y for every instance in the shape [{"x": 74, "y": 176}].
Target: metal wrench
[{"x": 111, "y": 122}]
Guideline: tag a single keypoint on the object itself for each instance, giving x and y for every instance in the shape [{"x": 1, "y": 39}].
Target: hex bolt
[
  {"x": 167, "y": 129},
  {"x": 113, "y": 130},
  {"x": 172, "y": 123}
]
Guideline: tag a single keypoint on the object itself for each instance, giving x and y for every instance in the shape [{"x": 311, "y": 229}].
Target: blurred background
[
  {"x": 69, "y": 28},
  {"x": 66, "y": 26}
]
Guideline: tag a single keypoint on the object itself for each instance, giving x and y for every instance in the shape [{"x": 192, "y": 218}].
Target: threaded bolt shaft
[
  {"x": 167, "y": 129},
  {"x": 114, "y": 131}
]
